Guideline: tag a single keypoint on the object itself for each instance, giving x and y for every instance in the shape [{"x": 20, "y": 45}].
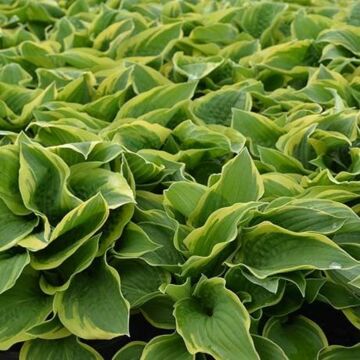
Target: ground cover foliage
[{"x": 196, "y": 162}]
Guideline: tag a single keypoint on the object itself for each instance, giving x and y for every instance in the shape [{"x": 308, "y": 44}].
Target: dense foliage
[{"x": 195, "y": 161}]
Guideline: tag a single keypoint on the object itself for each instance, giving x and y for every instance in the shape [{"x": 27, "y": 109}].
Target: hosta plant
[{"x": 180, "y": 179}]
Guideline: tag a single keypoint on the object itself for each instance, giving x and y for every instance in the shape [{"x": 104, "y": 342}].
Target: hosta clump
[{"x": 195, "y": 162}]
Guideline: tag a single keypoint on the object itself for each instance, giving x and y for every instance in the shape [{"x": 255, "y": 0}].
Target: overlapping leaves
[{"x": 196, "y": 161}]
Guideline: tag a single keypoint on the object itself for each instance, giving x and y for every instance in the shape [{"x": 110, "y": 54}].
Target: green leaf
[
  {"x": 62, "y": 349},
  {"x": 268, "y": 249},
  {"x": 9, "y": 185},
  {"x": 166, "y": 255},
  {"x": 177, "y": 291},
  {"x": 138, "y": 135},
  {"x": 240, "y": 181},
  {"x": 50, "y": 134},
  {"x": 86, "y": 180},
  {"x": 134, "y": 242},
  {"x": 313, "y": 286},
  {"x": 13, "y": 228},
  {"x": 258, "y": 17},
  {"x": 260, "y": 295},
  {"x": 217, "y": 33},
  {"x": 61, "y": 77},
  {"x": 144, "y": 171},
  {"x": 25, "y": 294},
  {"x": 14, "y": 74},
  {"x": 139, "y": 281},
  {"x": 279, "y": 185},
  {"x": 98, "y": 310},
  {"x": 300, "y": 338},
  {"x": 131, "y": 351},
  {"x": 184, "y": 196},
  {"x": 12, "y": 264},
  {"x": 146, "y": 78},
  {"x": 267, "y": 349},
  {"x": 80, "y": 90},
  {"x": 216, "y": 106},
  {"x": 191, "y": 136},
  {"x": 117, "y": 79},
  {"x": 353, "y": 315},
  {"x": 39, "y": 238},
  {"x": 83, "y": 58},
  {"x": 114, "y": 226},
  {"x": 49, "y": 329},
  {"x": 281, "y": 162},
  {"x": 220, "y": 228},
  {"x": 8, "y": 119},
  {"x": 42, "y": 182},
  {"x": 259, "y": 129},
  {"x": 338, "y": 296},
  {"x": 337, "y": 352},
  {"x": 240, "y": 49},
  {"x": 309, "y": 26},
  {"x": 16, "y": 97},
  {"x": 160, "y": 97},
  {"x": 58, "y": 279},
  {"x": 214, "y": 321},
  {"x": 72, "y": 231},
  {"x": 147, "y": 144},
  {"x": 110, "y": 33},
  {"x": 39, "y": 54},
  {"x": 6, "y": 345},
  {"x": 291, "y": 301},
  {"x": 46, "y": 95},
  {"x": 299, "y": 219},
  {"x": 106, "y": 107},
  {"x": 158, "y": 311},
  {"x": 195, "y": 68},
  {"x": 150, "y": 42},
  {"x": 287, "y": 58},
  {"x": 166, "y": 346},
  {"x": 348, "y": 37}
]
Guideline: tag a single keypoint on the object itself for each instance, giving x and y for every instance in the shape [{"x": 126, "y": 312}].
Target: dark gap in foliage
[
  {"x": 298, "y": 83},
  {"x": 10, "y": 355},
  {"x": 273, "y": 82},
  {"x": 338, "y": 330},
  {"x": 338, "y": 160}
]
